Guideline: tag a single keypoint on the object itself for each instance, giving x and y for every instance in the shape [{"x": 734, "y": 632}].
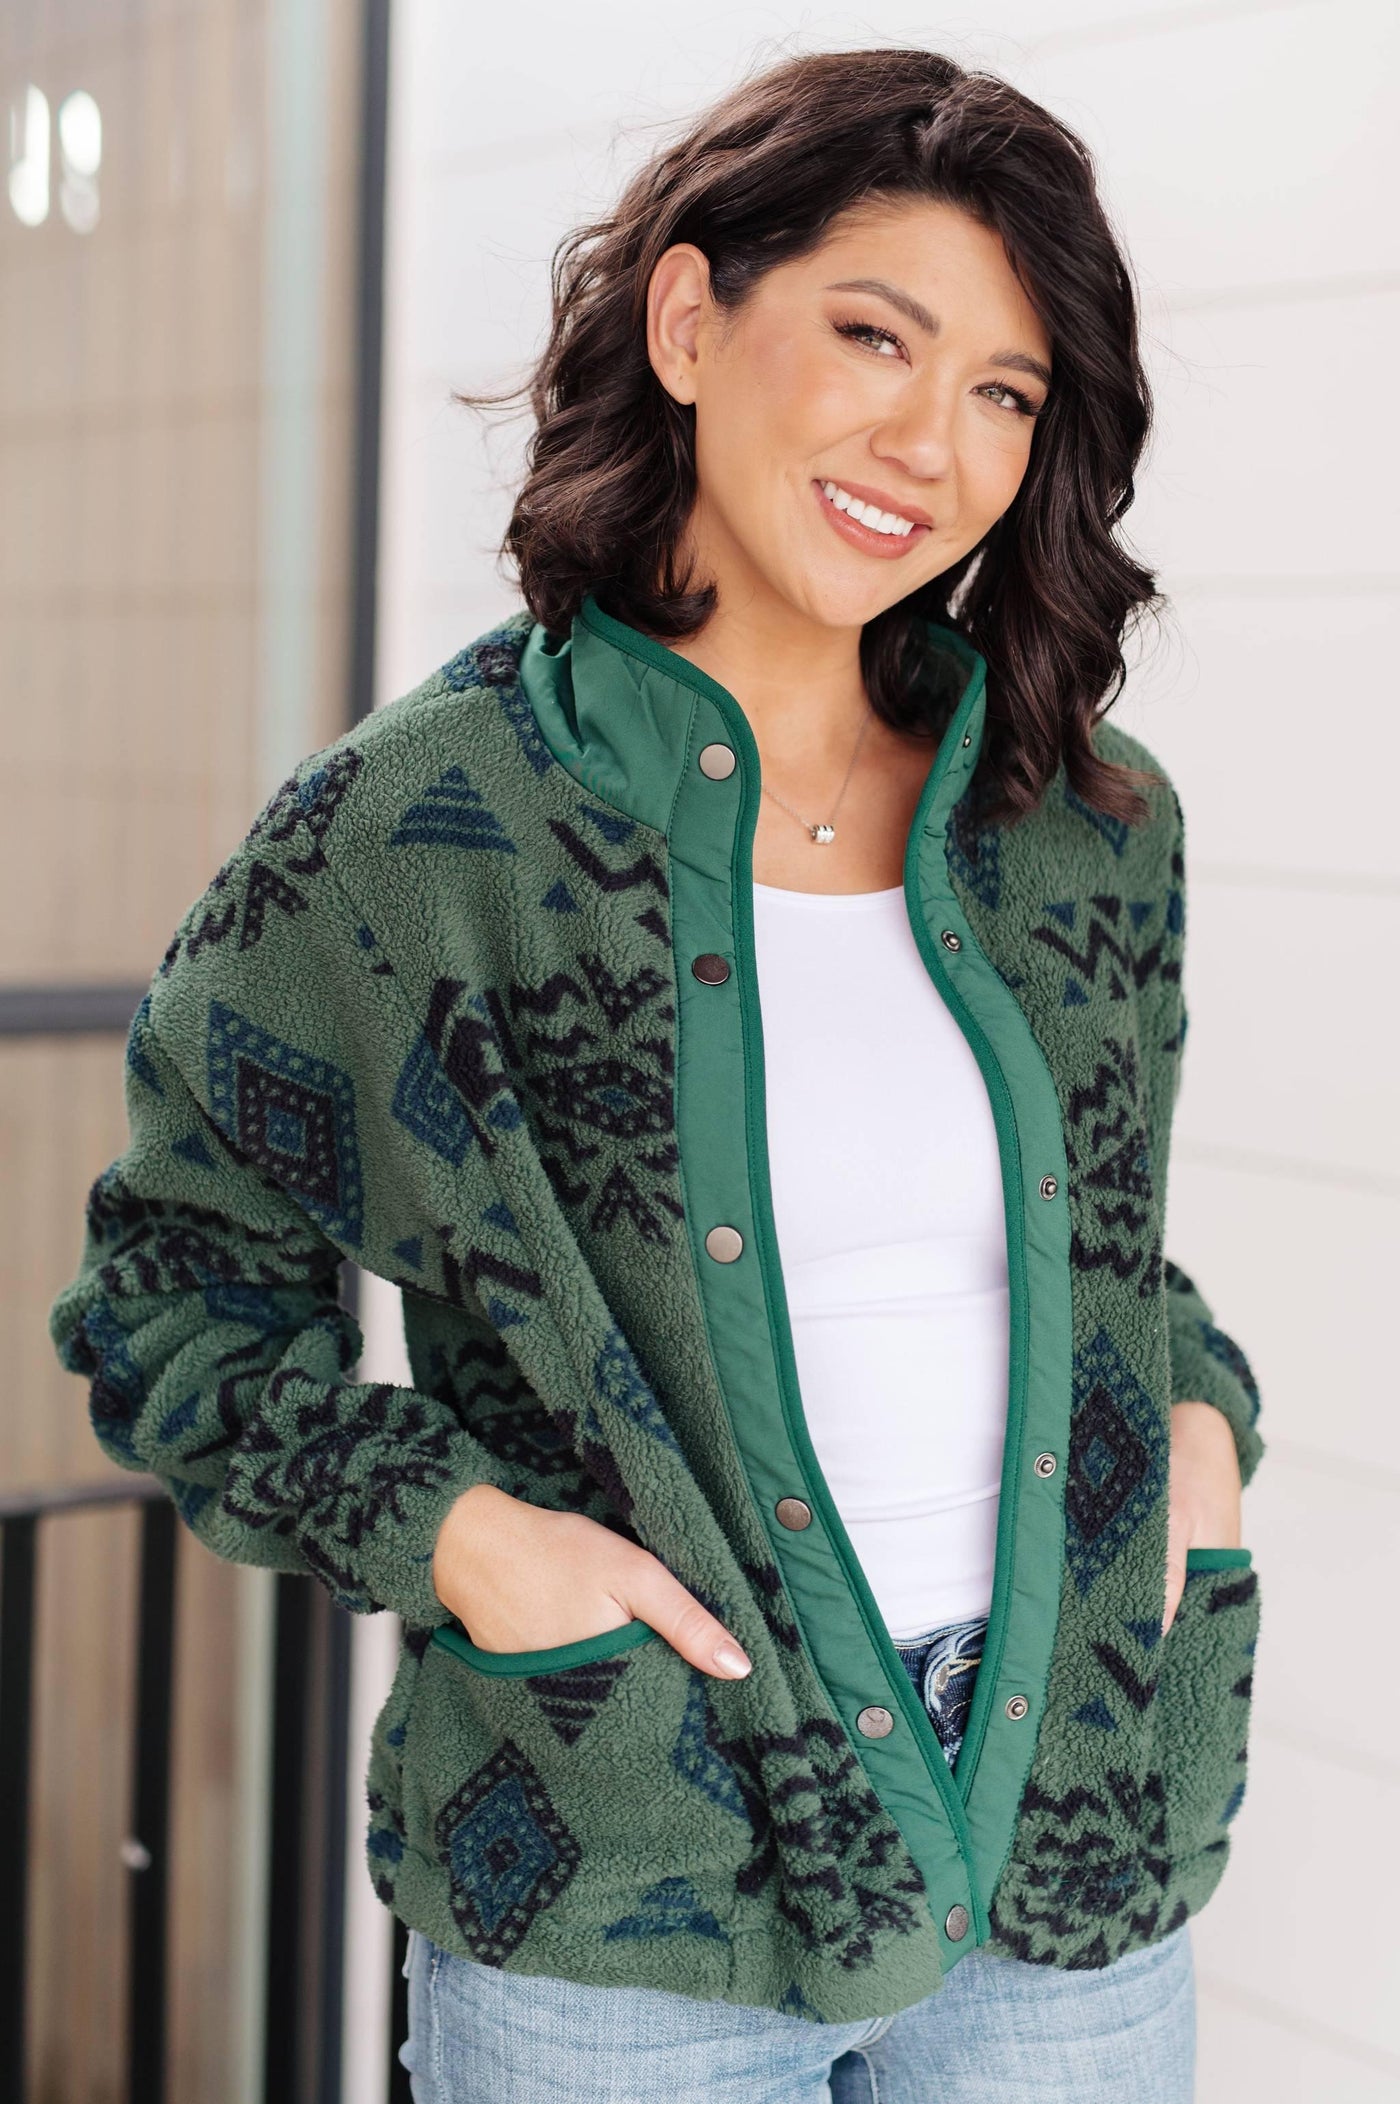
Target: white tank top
[{"x": 888, "y": 1205}]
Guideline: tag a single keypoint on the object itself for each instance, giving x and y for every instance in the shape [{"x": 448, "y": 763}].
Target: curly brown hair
[{"x": 1049, "y": 593}]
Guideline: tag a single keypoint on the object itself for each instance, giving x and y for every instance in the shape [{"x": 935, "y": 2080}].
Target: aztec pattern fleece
[{"x": 474, "y": 1004}]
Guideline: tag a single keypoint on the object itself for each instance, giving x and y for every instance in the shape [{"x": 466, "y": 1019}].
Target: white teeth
[{"x": 869, "y": 514}]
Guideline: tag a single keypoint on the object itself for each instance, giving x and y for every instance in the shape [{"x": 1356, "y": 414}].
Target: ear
[{"x": 678, "y": 298}]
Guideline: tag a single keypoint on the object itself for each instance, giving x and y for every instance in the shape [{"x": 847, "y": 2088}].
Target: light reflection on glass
[
  {"x": 29, "y": 157},
  {"x": 80, "y": 154}
]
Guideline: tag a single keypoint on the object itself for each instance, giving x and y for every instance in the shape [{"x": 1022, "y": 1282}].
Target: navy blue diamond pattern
[
  {"x": 1119, "y": 1450},
  {"x": 507, "y": 1853},
  {"x": 292, "y": 1114}
]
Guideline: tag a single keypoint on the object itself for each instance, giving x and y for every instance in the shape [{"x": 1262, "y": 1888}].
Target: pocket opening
[
  {"x": 1219, "y": 1559},
  {"x": 588, "y": 1650}
]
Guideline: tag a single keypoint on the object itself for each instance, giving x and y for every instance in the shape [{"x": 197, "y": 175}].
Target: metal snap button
[
  {"x": 794, "y": 1512},
  {"x": 1045, "y": 1464},
  {"x": 724, "y": 1244},
  {"x": 951, "y": 940},
  {"x": 1016, "y": 1708},
  {"x": 956, "y": 1924},
  {"x": 710, "y": 968},
  {"x": 875, "y": 1722},
  {"x": 967, "y": 737},
  {"x": 1048, "y": 1186},
  {"x": 717, "y": 761}
]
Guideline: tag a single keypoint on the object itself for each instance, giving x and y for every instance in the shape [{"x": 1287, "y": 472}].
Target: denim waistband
[{"x": 942, "y": 1664}]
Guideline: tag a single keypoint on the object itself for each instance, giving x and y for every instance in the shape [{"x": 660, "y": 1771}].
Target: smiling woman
[
  {"x": 880, "y": 272},
  {"x": 805, "y": 394},
  {"x": 811, "y": 1445}
]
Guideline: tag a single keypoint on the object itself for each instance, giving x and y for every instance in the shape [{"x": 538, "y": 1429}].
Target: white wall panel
[
  {"x": 1289, "y": 995},
  {"x": 1240, "y": 146},
  {"x": 1299, "y": 1920},
  {"x": 1248, "y": 2051},
  {"x": 1276, "y": 456},
  {"x": 1324, "y": 1552},
  {"x": 1303, "y": 1271},
  {"x": 1284, "y": 749}
]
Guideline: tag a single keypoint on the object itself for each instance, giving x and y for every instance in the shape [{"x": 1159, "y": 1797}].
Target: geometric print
[
  {"x": 572, "y": 1699},
  {"x": 428, "y": 1105},
  {"x": 698, "y": 1759},
  {"x": 450, "y": 813},
  {"x": 507, "y": 1853},
  {"x": 292, "y": 1114},
  {"x": 494, "y": 660},
  {"x": 669, "y": 1908},
  {"x": 1118, "y": 1457},
  {"x": 1220, "y": 1346},
  {"x": 575, "y": 1033},
  {"x": 619, "y": 1380},
  {"x": 137, "y": 1058}
]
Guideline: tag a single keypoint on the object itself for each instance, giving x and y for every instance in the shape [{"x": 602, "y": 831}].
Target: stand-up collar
[{"x": 619, "y": 711}]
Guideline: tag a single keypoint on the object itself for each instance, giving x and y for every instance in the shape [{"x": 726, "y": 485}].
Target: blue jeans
[
  {"x": 998, "y": 2031},
  {"x": 942, "y": 1663}
]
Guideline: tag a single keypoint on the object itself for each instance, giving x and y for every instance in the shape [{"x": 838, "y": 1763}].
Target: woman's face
[{"x": 900, "y": 366}]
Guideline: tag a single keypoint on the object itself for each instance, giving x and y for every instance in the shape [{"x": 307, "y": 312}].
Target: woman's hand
[
  {"x": 1203, "y": 1503},
  {"x": 519, "y": 1577}
]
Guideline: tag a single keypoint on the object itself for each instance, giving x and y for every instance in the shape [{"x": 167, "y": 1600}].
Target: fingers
[{"x": 655, "y": 1596}]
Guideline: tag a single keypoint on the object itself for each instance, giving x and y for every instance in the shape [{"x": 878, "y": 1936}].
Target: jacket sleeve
[
  {"x": 205, "y": 1311},
  {"x": 1207, "y": 1365}
]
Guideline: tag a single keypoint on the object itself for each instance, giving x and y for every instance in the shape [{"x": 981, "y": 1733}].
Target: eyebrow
[{"x": 915, "y": 311}]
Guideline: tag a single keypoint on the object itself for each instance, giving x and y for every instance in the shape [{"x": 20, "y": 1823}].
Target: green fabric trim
[
  {"x": 998, "y": 1748},
  {"x": 960, "y": 1832},
  {"x": 512, "y": 1665},
  {"x": 719, "y": 1068},
  {"x": 1218, "y": 1559}
]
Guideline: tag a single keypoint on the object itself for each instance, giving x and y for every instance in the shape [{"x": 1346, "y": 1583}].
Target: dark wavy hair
[{"x": 1047, "y": 596}]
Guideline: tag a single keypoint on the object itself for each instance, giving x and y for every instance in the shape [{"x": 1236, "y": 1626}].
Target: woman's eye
[
  {"x": 857, "y": 330},
  {"x": 1021, "y": 403}
]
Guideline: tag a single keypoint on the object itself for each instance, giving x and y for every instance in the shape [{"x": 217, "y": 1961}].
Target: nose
[{"x": 919, "y": 437}]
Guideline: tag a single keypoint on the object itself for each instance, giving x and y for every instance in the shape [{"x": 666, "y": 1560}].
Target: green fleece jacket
[{"x": 451, "y": 1009}]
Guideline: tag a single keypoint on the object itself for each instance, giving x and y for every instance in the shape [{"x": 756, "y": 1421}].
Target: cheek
[
  {"x": 761, "y": 419},
  {"x": 798, "y": 400},
  {"x": 992, "y": 469}
]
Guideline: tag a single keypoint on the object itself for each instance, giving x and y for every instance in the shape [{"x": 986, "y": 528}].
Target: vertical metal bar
[
  {"x": 146, "y": 1850},
  {"x": 285, "y": 1883},
  {"x": 336, "y": 1684},
  {"x": 369, "y": 341},
  {"x": 398, "y": 2088},
  {"x": 16, "y": 1693}
]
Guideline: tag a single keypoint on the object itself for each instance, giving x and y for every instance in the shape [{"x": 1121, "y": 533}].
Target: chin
[{"x": 844, "y": 602}]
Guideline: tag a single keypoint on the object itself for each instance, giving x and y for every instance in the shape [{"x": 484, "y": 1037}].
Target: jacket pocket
[
  {"x": 1204, "y": 1698},
  {"x": 510, "y": 1665},
  {"x": 584, "y": 1790}
]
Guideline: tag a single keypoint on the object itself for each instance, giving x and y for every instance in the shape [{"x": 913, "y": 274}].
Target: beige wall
[
  {"x": 174, "y": 540},
  {"x": 1249, "y": 149}
]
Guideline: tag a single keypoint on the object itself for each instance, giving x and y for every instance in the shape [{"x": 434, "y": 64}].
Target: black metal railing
[{"x": 307, "y": 1826}]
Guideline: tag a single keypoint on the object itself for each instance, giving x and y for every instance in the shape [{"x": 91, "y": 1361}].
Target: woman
[{"x": 739, "y": 1001}]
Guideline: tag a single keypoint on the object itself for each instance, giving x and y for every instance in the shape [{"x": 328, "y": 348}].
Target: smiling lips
[{"x": 865, "y": 524}]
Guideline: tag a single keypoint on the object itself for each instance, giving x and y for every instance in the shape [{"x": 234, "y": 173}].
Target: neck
[{"x": 797, "y": 680}]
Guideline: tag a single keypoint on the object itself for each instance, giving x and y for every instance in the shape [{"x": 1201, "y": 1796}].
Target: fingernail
[{"x": 731, "y": 1659}]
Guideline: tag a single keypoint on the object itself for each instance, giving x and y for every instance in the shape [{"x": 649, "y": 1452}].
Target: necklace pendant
[{"x": 823, "y": 834}]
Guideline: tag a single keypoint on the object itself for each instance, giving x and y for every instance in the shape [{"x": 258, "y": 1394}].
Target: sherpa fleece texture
[{"x": 437, "y": 1013}]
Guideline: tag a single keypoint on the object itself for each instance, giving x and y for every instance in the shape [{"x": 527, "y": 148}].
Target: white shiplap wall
[{"x": 1249, "y": 154}]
